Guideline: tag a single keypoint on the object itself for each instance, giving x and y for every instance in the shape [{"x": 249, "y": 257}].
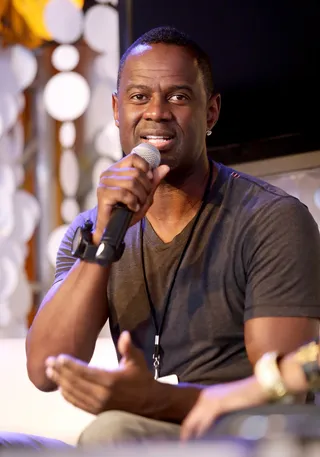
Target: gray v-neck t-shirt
[{"x": 255, "y": 252}]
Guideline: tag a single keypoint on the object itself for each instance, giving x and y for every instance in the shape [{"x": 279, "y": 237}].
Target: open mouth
[{"x": 159, "y": 141}]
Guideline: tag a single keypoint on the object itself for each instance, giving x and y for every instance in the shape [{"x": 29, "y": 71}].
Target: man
[{"x": 220, "y": 266}]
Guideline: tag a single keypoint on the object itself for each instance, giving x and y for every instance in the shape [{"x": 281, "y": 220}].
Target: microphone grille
[{"x": 149, "y": 153}]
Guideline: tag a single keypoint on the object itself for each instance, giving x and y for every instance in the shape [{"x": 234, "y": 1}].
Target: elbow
[
  {"x": 37, "y": 375},
  {"x": 36, "y": 370}
]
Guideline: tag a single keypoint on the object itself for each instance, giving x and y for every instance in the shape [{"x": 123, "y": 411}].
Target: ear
[
  {"x": 115, "y": 108},
  {"x": 213, "y": 110}
]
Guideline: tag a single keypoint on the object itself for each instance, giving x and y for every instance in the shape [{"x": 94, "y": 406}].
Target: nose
[{"x": 157, "y": 110}]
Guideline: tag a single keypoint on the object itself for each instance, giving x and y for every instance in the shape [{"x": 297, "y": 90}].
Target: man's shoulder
[
  {"x": 256, "y": 185},
  {"x": 255, "y": 193}
]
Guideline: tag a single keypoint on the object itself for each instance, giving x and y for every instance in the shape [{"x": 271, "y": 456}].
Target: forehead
[{"x": 168, "y": 64}]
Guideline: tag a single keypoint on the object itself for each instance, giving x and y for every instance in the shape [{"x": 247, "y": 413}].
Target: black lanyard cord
[{"x": 159, "y": 329}]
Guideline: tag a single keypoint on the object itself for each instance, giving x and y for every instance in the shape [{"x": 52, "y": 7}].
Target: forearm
[
  {"x": 173, "y": 403},
  {"x": 68, "y": 321}
]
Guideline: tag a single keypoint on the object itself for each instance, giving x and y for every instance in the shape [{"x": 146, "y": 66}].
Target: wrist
[
  {"x": 96, "y": 237},
  {"x": 173, "y": 403}
]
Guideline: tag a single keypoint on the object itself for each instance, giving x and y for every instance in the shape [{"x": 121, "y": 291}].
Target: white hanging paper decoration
[
  {"x": 101, "y": 28},
  {"x": 66, "y": 96},
  {"x": 69, "y": 209},
  {"x": 64, "y": 20},
  {"x": 104, "y": 66},
  {"x": 9, "y": 272},
  {"x": 21, "y": 300},
  {"x": 67, "y": 134},
  {"x": 5, "y": 314},
  {"x": 8, "y": 80},
  {"x": 7, "y": 181},
  {"x": 54, "y": 241},
  {"x": 91, "y": 199},
  {"x": 8, "y": 110},
  {"x": 19, "y": 210},
  {"x": 17, "y": 142},
  {"x": 24, "y": 66},
  {"x": 65, "y": 57},
  {"x": 69, "y": 172},
  {"x": 27, "y": 215},
  {"x": 100, "y": 166},
  {"x": 6, "y": 214},
  {"x": 99, "y": 112},
  {"x": 107, "y": 142}
]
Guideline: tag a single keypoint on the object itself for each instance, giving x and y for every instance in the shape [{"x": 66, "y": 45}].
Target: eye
[
  {"x": 179, "y": 98},
  {"x": 139, "y": 97}
]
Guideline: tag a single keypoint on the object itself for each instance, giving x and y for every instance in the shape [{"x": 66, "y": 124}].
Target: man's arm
[
  {"x": 71, "y": 315},
  {"x": 281, "y": 334},
  {"x": 282, "y": 255},
  {"x": 74, "y": 311}
]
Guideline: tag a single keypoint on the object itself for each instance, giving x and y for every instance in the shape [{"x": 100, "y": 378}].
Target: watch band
[
  {"x": 102, "y": 254},
  {"x": 269, "y": 377}
]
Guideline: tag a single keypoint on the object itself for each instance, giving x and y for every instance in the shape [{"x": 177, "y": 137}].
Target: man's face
[{"x": 162, "y": 100}]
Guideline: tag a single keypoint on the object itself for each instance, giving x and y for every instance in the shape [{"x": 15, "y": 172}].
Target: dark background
[{"x": 265, "y": 57}]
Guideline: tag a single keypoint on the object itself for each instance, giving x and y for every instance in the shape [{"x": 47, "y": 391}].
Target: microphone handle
[{"x": 114, "y": 234}]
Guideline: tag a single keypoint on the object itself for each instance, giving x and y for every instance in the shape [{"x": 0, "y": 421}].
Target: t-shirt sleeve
[
  {"x": 65, "y": 259},
  {"x": 282, "y": 256}
]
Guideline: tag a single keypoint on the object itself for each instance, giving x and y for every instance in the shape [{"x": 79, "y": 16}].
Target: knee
[{"x": 110, "y": 427}]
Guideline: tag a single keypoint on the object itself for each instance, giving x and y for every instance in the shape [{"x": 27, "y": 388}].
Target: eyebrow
[
  {"x": 137, "y": 86},
  {"x": 170, "y": 88}
]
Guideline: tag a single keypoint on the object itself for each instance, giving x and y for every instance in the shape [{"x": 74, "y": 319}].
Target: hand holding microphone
[{"x": 125, "y": 193}]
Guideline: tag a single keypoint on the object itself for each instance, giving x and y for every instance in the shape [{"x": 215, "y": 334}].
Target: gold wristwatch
[
  {"x": 307, "y": 357},
  {"x": 269, "y": 377}
]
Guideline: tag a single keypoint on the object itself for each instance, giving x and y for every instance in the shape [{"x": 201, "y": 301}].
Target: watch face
[{"x": 76, "y": 242}]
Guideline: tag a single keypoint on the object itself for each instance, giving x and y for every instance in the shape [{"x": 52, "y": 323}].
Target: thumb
[
  {"x": 128, "y": 350},
  {"x": 160, "y": 173}
]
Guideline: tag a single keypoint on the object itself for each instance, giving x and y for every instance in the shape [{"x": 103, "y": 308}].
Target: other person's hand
[{"x": 216, "y": 400}]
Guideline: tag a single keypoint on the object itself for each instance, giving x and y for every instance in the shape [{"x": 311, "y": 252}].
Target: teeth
[{"x": 153, "y": 137}]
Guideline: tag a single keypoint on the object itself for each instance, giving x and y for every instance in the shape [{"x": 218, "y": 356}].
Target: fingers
[
  {"x": 158, "y": 175},
  {"x": 79, "y": 384},
  {"x": 129, "y": 351},
  {"x": 196, "y": 423},
  {"x": 124, "y": 343},
  {"x": 130, "y": 182},
  {"x": 74, "y": 369},
  {"x": 131, "y": 189},
  {"x": 134, "y": 161},
  {"x": 133, "y": 174}
]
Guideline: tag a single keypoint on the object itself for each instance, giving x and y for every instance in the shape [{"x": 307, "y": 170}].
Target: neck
[{"x": 176, "y": 201}]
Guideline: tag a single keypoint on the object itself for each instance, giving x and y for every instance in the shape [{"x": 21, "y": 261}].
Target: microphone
[{"x": 111, "y": 245}]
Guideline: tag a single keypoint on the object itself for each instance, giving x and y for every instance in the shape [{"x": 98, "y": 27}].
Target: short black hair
[{"x": 172, "y": 36}]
